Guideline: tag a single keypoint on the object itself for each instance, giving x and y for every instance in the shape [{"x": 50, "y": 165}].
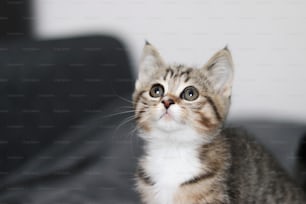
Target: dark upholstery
[
  {"x": 48, "y": 87},
  {"x": 16, "y": 19},
  {"x": 93, "y": 164}
]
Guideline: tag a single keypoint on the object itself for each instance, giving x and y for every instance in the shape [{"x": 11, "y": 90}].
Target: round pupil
[
  {"x": 190, "y": 92},
  {"x": 157, "y": 90}
]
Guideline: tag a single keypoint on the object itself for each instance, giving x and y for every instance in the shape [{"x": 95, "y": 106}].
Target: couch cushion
[{"x": 48, "y": 87}]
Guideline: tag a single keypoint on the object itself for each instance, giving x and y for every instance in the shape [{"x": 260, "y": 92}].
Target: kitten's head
[{"x": 172, "y": 98}]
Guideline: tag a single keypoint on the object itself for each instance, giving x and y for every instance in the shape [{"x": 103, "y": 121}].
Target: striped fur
[
  {"x": 205, "y": 114},
  {"x": 189, "y": 158}
]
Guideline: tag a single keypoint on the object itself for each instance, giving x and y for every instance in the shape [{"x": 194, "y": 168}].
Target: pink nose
[{"x": 167, "y": 103}]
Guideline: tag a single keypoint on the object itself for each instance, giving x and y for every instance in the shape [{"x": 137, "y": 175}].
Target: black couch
[{"x": 57, "y": 98}]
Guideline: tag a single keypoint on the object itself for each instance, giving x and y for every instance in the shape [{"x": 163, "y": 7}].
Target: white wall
[{"x": 267, "y": 39}]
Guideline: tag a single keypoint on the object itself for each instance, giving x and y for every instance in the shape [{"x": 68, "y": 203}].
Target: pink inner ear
[{"x": 227, "y": 91}]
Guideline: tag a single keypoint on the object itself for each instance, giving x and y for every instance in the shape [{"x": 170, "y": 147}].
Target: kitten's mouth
[{"x": 166, "y": 115}]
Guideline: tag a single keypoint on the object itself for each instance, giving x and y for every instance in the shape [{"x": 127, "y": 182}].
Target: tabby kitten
[{"x": 189, "y": 157}]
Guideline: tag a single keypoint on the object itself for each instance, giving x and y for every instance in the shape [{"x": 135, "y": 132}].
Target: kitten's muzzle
[{"x": 168, "y": 102}]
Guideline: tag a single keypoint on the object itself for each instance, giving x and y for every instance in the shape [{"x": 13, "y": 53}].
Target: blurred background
[
  {"x": 267, "y": 39},
  {"x": 68, "y": 67}
]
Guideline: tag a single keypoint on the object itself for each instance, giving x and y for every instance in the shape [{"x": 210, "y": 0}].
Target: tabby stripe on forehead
[
  {"x": 187, "y": 72},
  {"x": 213, "y": 105},
  {"x": 168, "y": 71}
]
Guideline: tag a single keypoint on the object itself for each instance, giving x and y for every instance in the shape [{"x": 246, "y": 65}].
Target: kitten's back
[{"x": 254, "y": 176}]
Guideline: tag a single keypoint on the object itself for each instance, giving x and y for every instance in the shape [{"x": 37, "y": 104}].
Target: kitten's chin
[
  {"x": 168, "y": 124},
  {"x": 168, "y": 120}
]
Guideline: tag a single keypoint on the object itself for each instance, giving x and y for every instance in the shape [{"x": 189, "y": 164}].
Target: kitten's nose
[{"x": 167, "y": 103}]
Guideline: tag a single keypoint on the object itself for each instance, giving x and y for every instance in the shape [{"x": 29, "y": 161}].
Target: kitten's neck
[{"x": 180, "y": 139}]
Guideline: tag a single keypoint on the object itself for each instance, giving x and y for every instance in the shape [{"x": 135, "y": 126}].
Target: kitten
[{"x": 189, "y": 157}]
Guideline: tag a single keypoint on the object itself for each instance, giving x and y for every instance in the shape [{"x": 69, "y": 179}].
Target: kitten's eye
[
  {"x": 190, "y": 93},
  {"x": 157, "y": 90}
]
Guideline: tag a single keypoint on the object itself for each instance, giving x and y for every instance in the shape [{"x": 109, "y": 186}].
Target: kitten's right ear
[{"x": 150, "y": 62}]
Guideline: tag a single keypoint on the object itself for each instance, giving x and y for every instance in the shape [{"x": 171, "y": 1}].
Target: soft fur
[{"x": 189, "y": 158}]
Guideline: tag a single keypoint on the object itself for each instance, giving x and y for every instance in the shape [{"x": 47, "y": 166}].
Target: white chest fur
[{"x": 171, "y": 162}]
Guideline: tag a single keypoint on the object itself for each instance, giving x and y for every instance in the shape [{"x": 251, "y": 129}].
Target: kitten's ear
[
  {"x": 219, "y": 71},
  {"x": 150, "y": 62}
]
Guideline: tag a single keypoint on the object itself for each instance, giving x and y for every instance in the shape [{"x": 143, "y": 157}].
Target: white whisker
[
  {"x": 130, "y": 107},
  {"x": 119, "y": 113},
  {"x": 125, "y": 121},
  {"x": 124, "y": 99}
]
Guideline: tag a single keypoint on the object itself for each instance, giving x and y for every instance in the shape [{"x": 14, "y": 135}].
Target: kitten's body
[
  {"x": 174, "y": 172},
  {"x": 189, "y": 158}
]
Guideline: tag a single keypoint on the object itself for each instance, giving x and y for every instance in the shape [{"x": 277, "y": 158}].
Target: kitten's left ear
[
  {"x": 219, "y": 71},
  {"x": 150, "y": 61}
]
